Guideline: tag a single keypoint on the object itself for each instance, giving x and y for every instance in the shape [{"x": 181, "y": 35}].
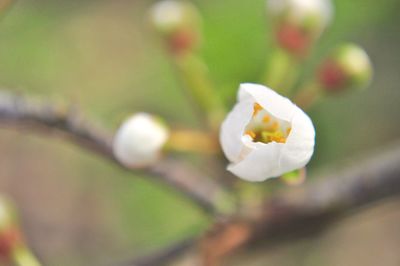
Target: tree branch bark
[
  {"x": 295, "y": 212},
  {"x": 308, "y": 209},
  {"x": 18, "y": 111}
]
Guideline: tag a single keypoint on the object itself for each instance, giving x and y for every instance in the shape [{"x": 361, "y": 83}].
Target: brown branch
[
  {"x": 288, "y": 215},
  {"x": 309, "y": 209},
  {"x": 164, "y": 256},
  {"x": 18, "y": 111},
  {"x": 295, "y": 213}
]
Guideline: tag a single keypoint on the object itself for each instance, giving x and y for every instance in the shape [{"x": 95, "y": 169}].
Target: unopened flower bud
[
  {"x": 347, "y": 67},
  {"x": 139, "y": 140},
  {"x": 178, "y": 22},
  {"x": 298, "y": 23}
]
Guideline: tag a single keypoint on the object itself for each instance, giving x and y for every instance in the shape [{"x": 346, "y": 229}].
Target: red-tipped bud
[
  {"x": 179, "y": 23},
  {"x": 298, "y": 23},
  {"x": 293, "y": 39},
  {"x": 9, "y": 240},
  {"x": 347, "y": 67},
  {"x": 10, "y": 236}
]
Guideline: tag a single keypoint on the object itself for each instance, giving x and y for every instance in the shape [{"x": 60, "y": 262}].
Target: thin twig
[{"x": 16, "y": 110}]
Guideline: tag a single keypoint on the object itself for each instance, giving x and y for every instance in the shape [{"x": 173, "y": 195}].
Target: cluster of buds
[
  {"x": 265, "y": 135},
  {"x": 347, "y": 67},
  {"x": 298, "y": 23},
  {"x": 139, "y": 140},
  {"x": 179, "y": 23}
]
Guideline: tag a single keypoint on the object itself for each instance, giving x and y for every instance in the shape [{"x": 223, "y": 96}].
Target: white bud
[
  {"x": 302, "y": 12},
  {"x": 167, "y": 14},
  {"x": 171, "y": 15},
  {"x": 139, "y": 140}
]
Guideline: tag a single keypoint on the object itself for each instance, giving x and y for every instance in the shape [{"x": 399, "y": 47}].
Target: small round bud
[
  {"x": 347, "y": 67},
  {"x": 299, "y": 22},
  {"x": 139, "y": 140},
  {"x": 178, "y": 22}
]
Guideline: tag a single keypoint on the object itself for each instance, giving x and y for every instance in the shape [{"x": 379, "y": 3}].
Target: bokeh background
[{"x": 101, "y": 55}]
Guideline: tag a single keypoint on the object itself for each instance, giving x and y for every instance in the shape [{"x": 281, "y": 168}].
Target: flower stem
[
  {"x": 192, "y": 141},
  {"x": 194, "y": 75},
  {"x": 282, "y": 71},
  {"x": 295, "y": 177},
  {"x": 22, "y": 256},
  {"x": 308, "y": 95}
]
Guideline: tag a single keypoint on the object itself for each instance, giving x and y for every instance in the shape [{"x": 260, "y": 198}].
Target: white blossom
[
  {"x": 139, "y": 140},
  {"x": 266, "y": 135}
]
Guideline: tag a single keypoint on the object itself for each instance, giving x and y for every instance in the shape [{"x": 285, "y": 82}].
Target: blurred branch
[
  {"x": 286, "y": 216},
  {"x": 309, "y": 209},
  {"x": 162, "y": 257},
  {"x": 297, "y": 212},
  {"x": 18, "y": 111}
]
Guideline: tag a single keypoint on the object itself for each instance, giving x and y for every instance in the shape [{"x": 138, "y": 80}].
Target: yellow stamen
[
  {"x": 266, "y": 119},
  {"x": 273, "y": 137},
  {"x": 251, "y": 134},
  {"x": 278, "y": 139},
  {"x": 268, "y": 129},
  {"x": 274, "y": 127},
  {"x": 257, "y": 108}
]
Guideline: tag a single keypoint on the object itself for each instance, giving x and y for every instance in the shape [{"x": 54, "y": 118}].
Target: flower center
[{"x": 266, "y": 128}]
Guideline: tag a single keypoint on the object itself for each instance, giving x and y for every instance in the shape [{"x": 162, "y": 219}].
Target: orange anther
[
  {"x": 257, "y": 108},
  {"x": 251, "y": 134},
  {"x": 274, "y": 127},
  {"x": 266, "y": 119},
  {"x": 278, "y": 139}
]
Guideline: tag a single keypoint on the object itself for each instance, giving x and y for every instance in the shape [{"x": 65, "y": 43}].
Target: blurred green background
[{"x": 102, "y": 55}]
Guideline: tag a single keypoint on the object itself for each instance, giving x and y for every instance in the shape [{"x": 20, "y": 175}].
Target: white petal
[
  {"x": 275, "y": 104},
  {"x": 233, "y": 127},
  {"x": 259, "y": 161},
  {"x": 299, "y": 145},
  {"x": 274, "y": 159},
  {"x": 261, "y": 164}
]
